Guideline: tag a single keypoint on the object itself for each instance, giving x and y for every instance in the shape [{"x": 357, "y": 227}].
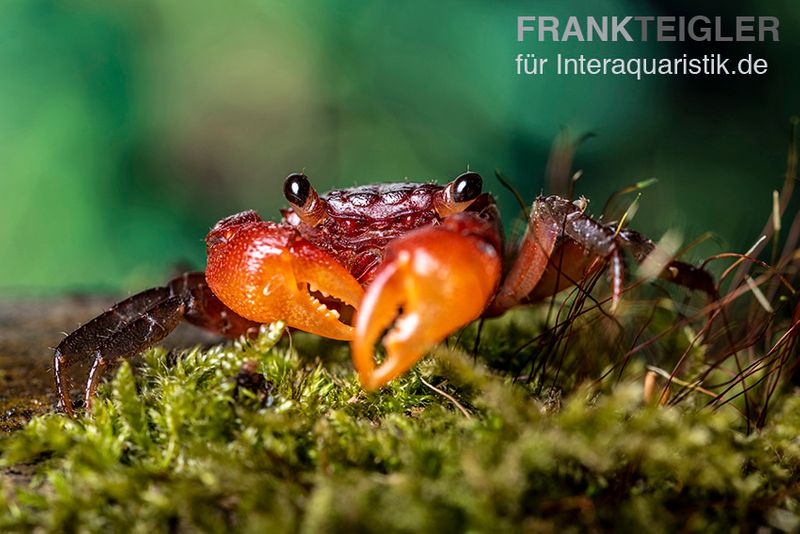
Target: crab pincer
[
  {"x": 268, "y": 272},
  {"x": 432, "y": 281}
]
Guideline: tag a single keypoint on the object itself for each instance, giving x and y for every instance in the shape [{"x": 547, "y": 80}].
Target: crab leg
[
  {"x": 532, "y": 259},
  {"x": 432, "y": 281},
  {"x": 563, "y": 246},
  {"x": 137, "y": 323},
  {"x": 677, "y": 272}
]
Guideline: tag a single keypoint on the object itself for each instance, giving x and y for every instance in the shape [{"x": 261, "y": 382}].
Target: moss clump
[{"x": 253, "y": 436}]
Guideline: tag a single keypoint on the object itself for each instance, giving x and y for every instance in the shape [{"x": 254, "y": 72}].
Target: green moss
[{"x": 253, "y": 436}]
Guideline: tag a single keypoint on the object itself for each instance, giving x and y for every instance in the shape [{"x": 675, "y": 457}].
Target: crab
[{"x": 414, "y": 261}]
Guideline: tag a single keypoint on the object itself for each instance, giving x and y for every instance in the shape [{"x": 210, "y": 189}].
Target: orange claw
[
  {"x": 441, "y": 277},
  {"x": 265, "y": 272}
]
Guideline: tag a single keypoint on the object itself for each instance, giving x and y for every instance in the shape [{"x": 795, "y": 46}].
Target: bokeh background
[{"x": 128, "y": 128}]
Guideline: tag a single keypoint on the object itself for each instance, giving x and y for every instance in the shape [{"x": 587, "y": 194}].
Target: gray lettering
[
  {"x": 718, "y": 31},
  {"x": 768, "y": 24},
  {"x": 548, "y": 25},
  {"x": 700, "y": 34},
  {"x": 663, "y": 27},
  {"x": 618, "y": 28},
  {"x": 522, "y": 28},
  {"x": 644, "y": 21},
  {"x": 573, "y": 29},
  {"x": 594, "y": 29},
  {"x": 744, "y": 29}
]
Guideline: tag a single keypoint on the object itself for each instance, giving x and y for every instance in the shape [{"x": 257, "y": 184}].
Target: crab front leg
[{"x": 432, "y": 281}]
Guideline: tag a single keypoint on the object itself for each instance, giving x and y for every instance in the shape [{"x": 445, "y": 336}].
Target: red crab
[{"x": 419, "y": 259}]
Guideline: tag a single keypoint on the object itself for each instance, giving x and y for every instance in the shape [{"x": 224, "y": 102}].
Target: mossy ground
[{"x": 262, "y": 434}]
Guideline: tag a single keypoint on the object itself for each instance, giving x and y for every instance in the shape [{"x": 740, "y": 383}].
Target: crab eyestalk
[
  {"x": 304, "y": 199},
  {"x": 458, "y": 194},
  {"x": 434, "y": 280},
  {"x": 266, "y": 272}
]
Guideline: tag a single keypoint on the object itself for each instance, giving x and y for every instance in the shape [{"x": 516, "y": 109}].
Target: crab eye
[
  {"x": 297, "y": 189},
  {"x": 467, "y": 187}
]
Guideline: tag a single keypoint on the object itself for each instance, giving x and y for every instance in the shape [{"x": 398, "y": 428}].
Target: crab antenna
[{"x": 304, "y": 199}]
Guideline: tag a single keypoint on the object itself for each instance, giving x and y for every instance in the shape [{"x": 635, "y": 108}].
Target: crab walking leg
[
  {"x": 135, "y": 336},
  {"x": 677, "y": 272},
  {"x": 532, "y": 259},
  {"x": 138, "y": 323},
  {"x": 98, "y": 368},
  {"x": 437, "y": 279},
  {"x": 84, "y": 342},
  {"x": 563, "y": 246},
  {"x": 606, "y": 243}
]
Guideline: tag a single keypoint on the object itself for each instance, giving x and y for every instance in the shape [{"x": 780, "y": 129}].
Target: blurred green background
[{"x": 128, "y": 128}]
